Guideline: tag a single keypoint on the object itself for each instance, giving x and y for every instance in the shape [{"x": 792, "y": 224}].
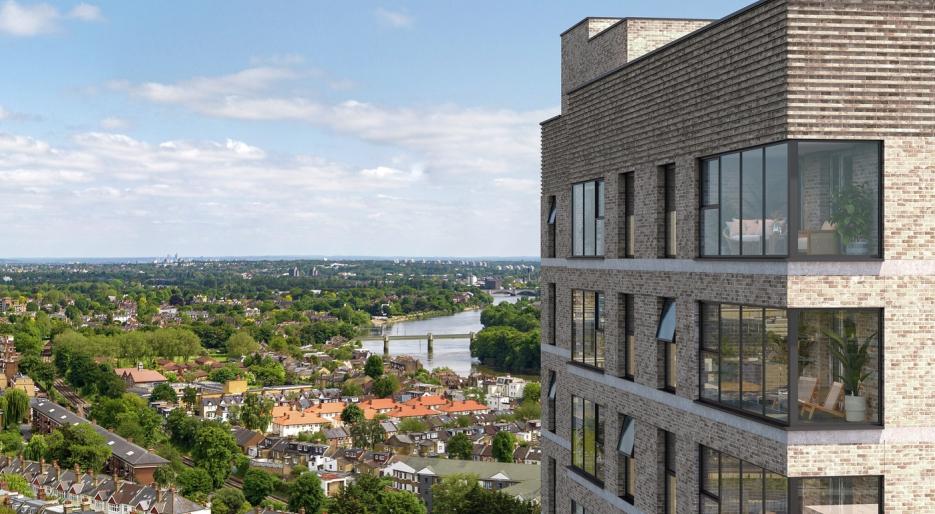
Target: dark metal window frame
[
  {"x": 626, "y": 198},
  {"x": 792, "y": 483},
  {"x": 599, "y": 329},
  {"x": 553, "y": 307},
  {"x": 625, "y": 307},
  {"x": 793, "y": 422},
  {"x": 669, "y": 462},
  {"x": 551, "y": 223},
  {"x": 669, "y": 205},
  {"x": 551, "y": 395},
  {"x": 793, "y": 199},
  {"x": 598, "y": 480},
  {"x": 597, "y": 216},
  {"x": 670, "y": 346},
  {"x": 623, "y": 460}
]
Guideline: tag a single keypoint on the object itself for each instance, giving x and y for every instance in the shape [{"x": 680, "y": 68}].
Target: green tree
[
  {"x": 228, "y": 501},
  {"x": 349, "y": 388},
  {"x": 15, "y": 407},
  {"x": 165, "y": 393},
  {"x": 165, "y": 476},
  {"x": 78, "y": 444},
  {"x": 17, "y": 483},
  {"x": 240, "y": 344},
  {"x": 460, "y": 447},
  {"x": 352, "y": 414},
  {"x": 194, "y": 481},
  {"x": 400, "y": 502},
  {"x": 367, "y": 433},
  {"x": 306, "y": 493},
  {"x": 503, "y": 445},
  {"x": 257, "y": 485},
  {"x": 11, "y": 442},
  {"x": 36, "y": 448},
  {"x": 531, "y": 392},
  {"x": 214, "y": 451},
  {"x": 412, "y": 425},
  {"x": 256, "y": 413},
  {"x": 449, "y": 495},
  {"x": 385, "y": 386},
  {"x": 374, "y": 367},
  {"x": 479, "y": 500},
  {"x": 190, "y": 396}
]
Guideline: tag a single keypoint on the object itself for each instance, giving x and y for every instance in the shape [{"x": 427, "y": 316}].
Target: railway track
[{"x": 78, "y": 404}]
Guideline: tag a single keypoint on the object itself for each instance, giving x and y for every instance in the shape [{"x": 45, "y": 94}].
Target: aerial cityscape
[{"x": 429, "y": 258}]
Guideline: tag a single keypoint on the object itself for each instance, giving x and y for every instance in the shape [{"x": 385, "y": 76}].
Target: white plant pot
[
  {"x": 861, "y": 247},
  {"x": 855, "y": 408}
]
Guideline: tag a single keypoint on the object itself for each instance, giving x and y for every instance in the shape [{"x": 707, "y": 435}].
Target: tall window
[
  {"x": 587, "y": 219},
  {"x": 835, "y": 199},
  {"x": 626, "y": 465},
  {"x": 669, "y": 210},
  {"x": 625, "y": 198},
  {"x": 838, "y": 494},
  {"x": 577, "y": 508},
  {"x": 552, "y": 313},
  {"x": 669, "y": 466},
  {"x": 665, "y": 334},
  {"x": 587, "y": 338},
  {"x": 729, "y": 485},
  {"x": 626, "y": 348},
  {"x": 798, "y": 367},
  {"x": 550, "y": 222},
  {"x": 553, "y": 390},
  {"x": 587, "y": 438},
  {"x": 553, "y": 486}
]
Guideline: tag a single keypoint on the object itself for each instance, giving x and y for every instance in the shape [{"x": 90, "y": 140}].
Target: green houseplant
[
  {"x": 852, "y": 213},
  {"x": 853, "y": 356}
]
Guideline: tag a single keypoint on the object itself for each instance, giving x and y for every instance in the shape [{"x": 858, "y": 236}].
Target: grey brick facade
[{"x": 639, "y": 94}]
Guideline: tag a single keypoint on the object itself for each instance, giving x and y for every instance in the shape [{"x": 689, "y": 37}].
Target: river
[{"x": 448, "y": 353}]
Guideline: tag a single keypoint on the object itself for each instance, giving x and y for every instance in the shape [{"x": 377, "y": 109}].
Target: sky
[{"x": 223, "y": 128}]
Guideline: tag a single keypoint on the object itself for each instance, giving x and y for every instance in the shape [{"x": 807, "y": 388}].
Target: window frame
[
  {"x": 551, "y": 396},
  {"x": 670, "y": 348},
  {"x": 598, "y": 443},
  {"x": 670, "y": 457},
  {"x": 792, "y": 483},
  {"x": 598, "y": 221},
  {"x": 626, "y": 328},
  {"x": 626, "y": 199},
  {"x": 793, "y": 422},
  {"x": 625, "y": 459},
  {"x": 600, "y": 329},
  {"x": 792, "y": 198},
  {"x": 670, "y": 182}
]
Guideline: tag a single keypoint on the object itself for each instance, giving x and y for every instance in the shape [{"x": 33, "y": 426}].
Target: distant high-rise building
[{"x": 737, "y": 263}]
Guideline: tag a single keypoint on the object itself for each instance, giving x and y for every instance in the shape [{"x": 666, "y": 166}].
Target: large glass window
[
  {"x": 745, "y": 200},
  {"x": 838, "y": 365},
  {"x": 732, "y": 486},
  {"x": 587, "y": 341},
  {"x": 745, "y": 362},
  {"x": 838, "y": 494},
  {"x": 626, "y": 347},
  {"x": 587, "y": 438},
  {"x": 626, "y": 463},
  {"x": 665, "y": 333},
  {"x": 839, "y": 191},
  {"x": 588, "y": 219}
]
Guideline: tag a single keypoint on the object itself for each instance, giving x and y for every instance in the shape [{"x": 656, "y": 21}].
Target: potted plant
[
  {"x": 852, "y": 212},
  {"x": 853, "y": 356}
]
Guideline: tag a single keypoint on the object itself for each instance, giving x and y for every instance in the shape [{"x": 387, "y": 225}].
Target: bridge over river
[{"x": 428, "y": 337}]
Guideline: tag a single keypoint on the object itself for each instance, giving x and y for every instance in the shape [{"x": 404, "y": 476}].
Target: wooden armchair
[{"x": 831, "y": 404}]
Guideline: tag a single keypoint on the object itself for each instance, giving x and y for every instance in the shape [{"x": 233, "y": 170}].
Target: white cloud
[
  {"x": 393, "y": 18},
  {"x": 114, "y": 123},
  {"x": 86, "y": 12},
  {"x": 23, "y": 20},
  {"x": 517, "y": 185}
]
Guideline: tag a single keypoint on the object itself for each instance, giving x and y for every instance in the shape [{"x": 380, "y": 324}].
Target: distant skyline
[{"x": 211, "y": 128}]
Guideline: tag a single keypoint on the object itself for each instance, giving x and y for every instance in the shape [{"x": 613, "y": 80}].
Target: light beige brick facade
[{"x": 639, "y": 94}]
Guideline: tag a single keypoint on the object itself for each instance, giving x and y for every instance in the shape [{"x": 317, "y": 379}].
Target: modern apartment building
[{"x": 738, "y": 243}]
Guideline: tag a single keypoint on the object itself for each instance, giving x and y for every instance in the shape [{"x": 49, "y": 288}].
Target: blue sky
[{"x": 281, "y": 128}]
